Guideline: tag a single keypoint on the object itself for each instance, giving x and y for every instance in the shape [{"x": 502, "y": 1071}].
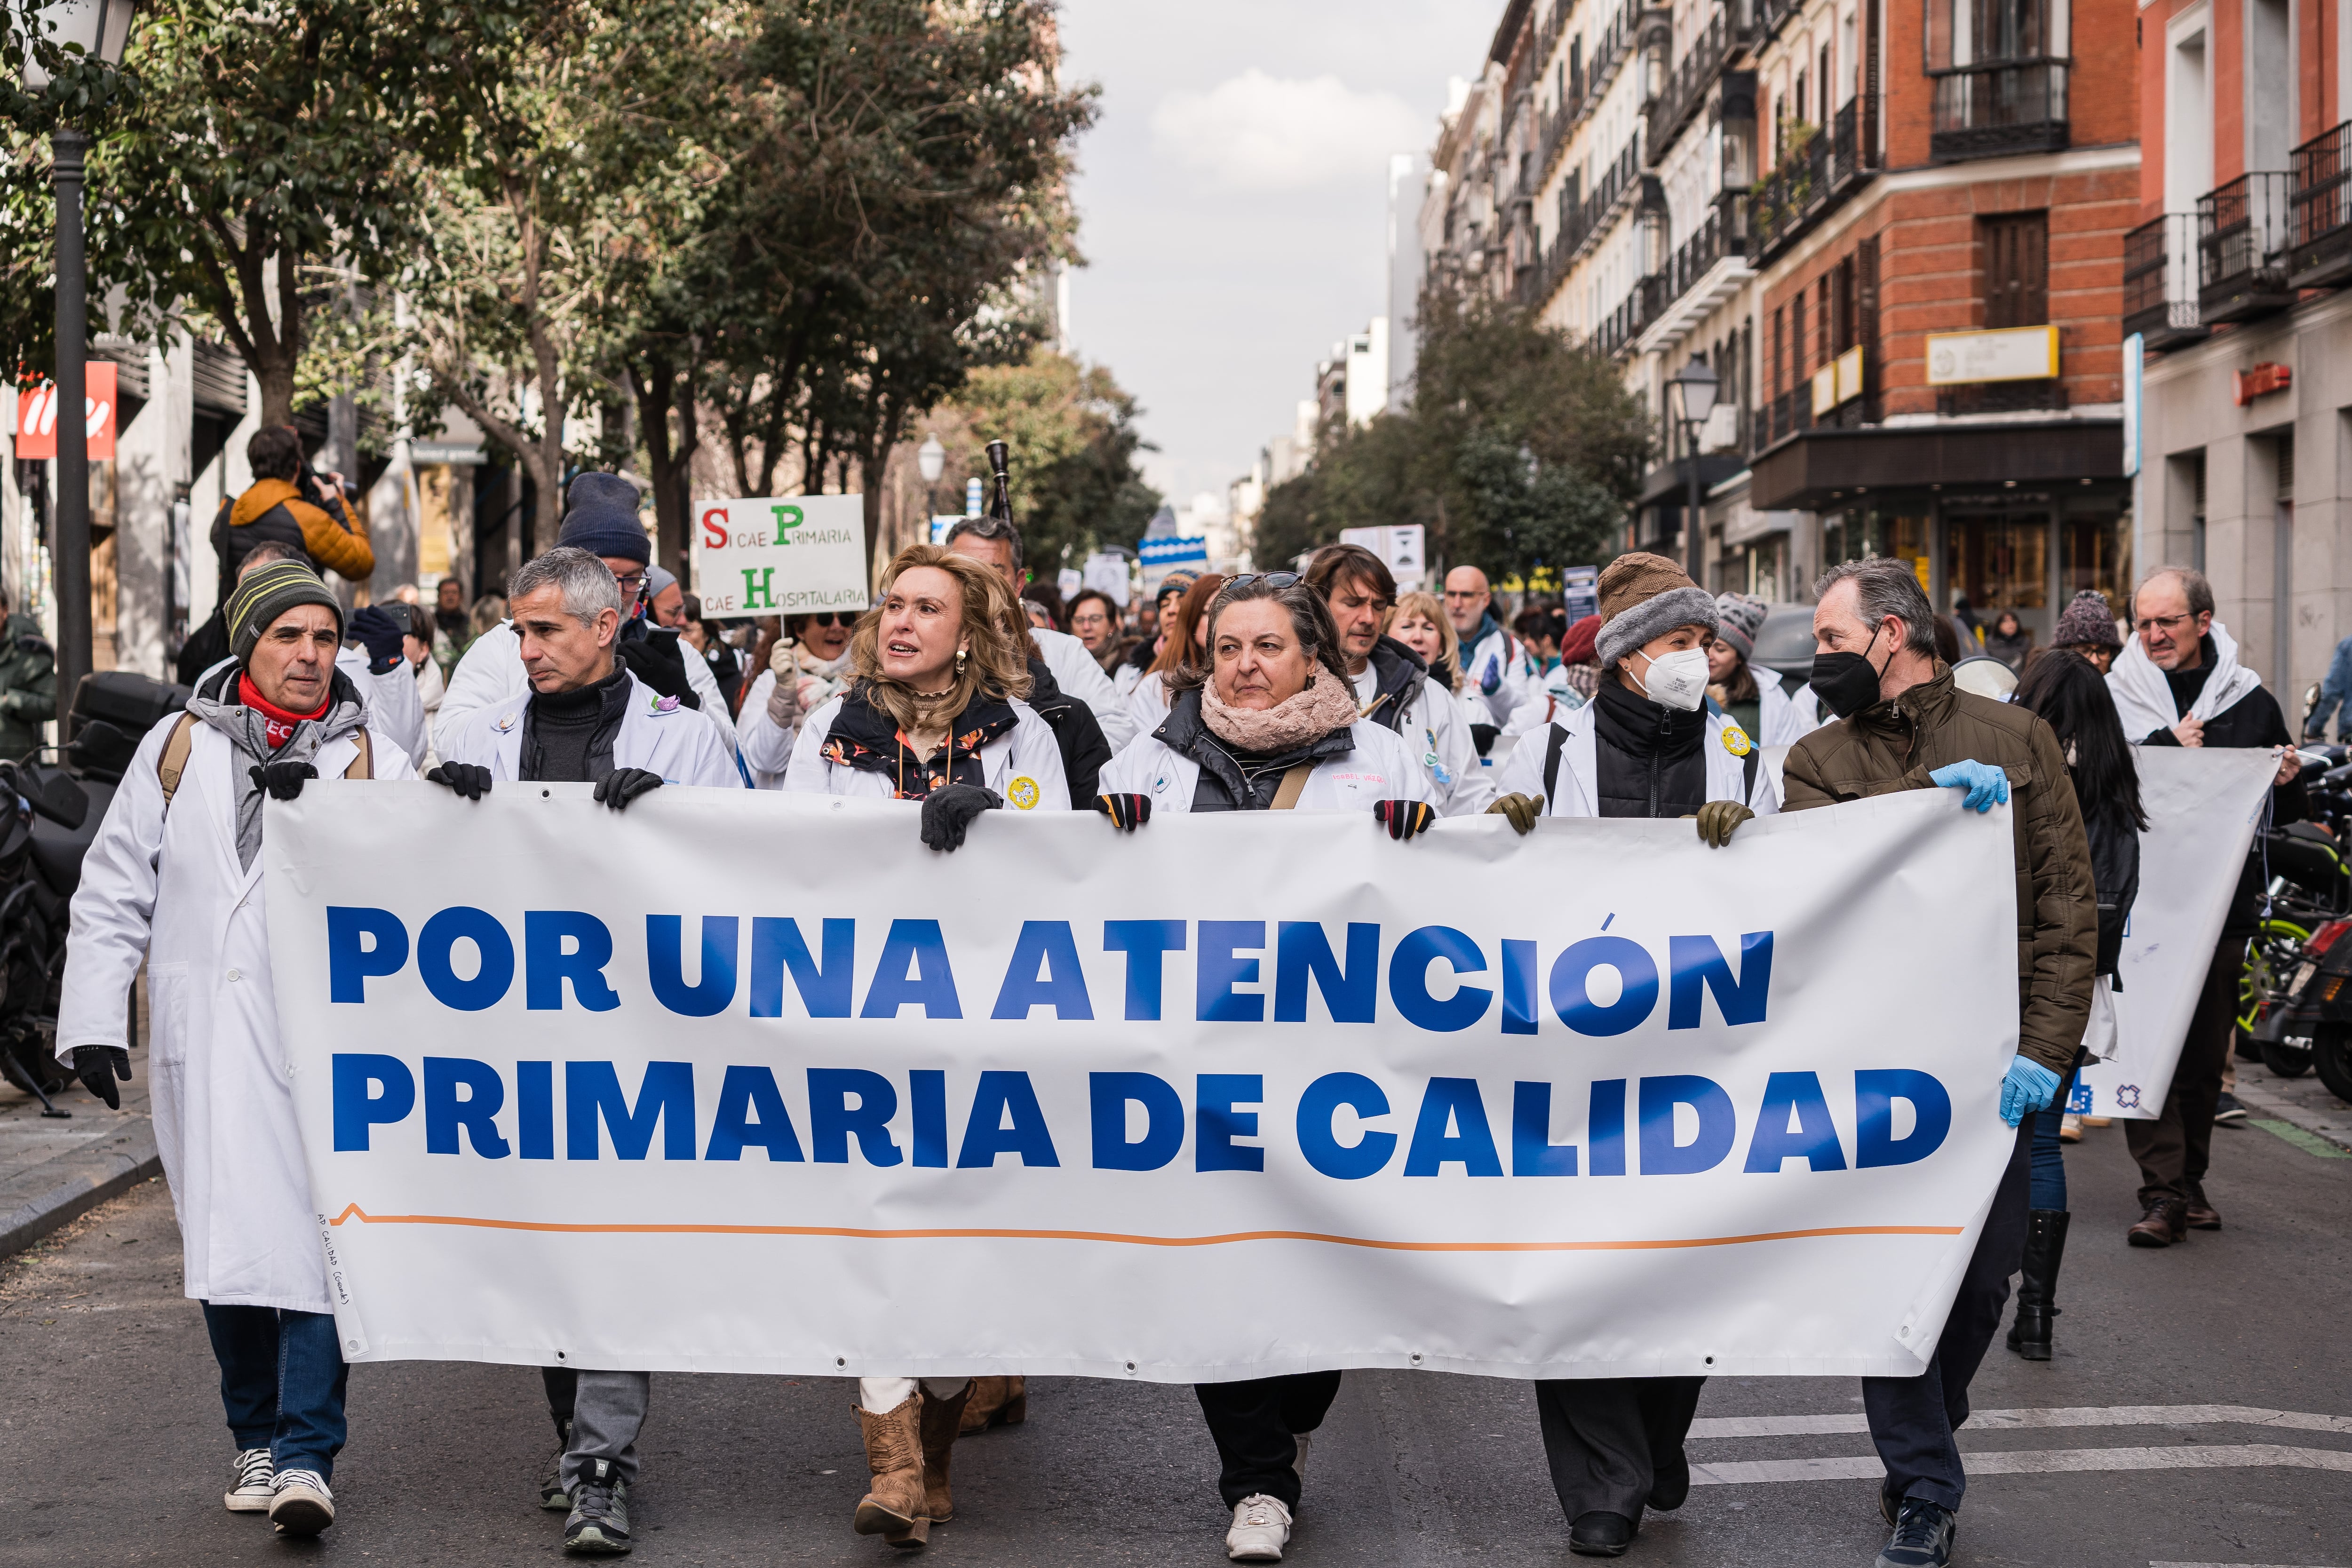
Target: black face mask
[{"x": 1846, "y": 682}]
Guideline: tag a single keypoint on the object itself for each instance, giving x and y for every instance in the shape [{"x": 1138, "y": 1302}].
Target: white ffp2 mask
[{"x": 1677, "y": 680}]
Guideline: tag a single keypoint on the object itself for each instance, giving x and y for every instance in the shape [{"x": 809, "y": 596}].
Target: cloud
[{"x": 1258, "y": 132}]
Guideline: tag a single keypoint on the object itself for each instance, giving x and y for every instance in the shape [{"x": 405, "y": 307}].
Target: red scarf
[{"x": 279, "y": 722}]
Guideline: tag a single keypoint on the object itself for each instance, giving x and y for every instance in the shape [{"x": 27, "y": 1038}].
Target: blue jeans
[
  {"x": 2048, "y": 1187},
  {"x": 283, "y": 1377}
]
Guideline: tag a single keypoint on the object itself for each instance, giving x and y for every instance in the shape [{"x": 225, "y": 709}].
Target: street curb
[
  {"x": 72, "y": 1185},
  {"x": 2287, "y": 1112}
]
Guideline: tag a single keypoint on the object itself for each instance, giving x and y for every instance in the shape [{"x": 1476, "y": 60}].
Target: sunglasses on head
[{"x": 1270, "y": 579}]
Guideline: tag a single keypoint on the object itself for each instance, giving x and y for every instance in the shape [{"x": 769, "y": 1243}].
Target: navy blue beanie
[{"x": 600, "y": 518}]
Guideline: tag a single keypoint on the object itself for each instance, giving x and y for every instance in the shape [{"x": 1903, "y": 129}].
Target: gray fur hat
[{"x": 1644, "y": 596}]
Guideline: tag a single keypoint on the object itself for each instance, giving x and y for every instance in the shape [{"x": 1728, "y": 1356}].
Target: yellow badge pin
[
  {"x": 1734, "y": 740},
  {"x": 1022, "y": 792}
]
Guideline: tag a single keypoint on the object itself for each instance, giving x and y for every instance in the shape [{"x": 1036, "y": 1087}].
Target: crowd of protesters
[{"x": 969, "y": 688}]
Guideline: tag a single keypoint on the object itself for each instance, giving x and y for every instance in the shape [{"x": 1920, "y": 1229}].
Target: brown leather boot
[
  {"x": 995, "y": 1402},
  {"x": 942, "y": 1419},
  {"x": 2199, "y": 1214},
  {"x": 893, "y": 1510},
  {"x": 2166, "y": 1222}
]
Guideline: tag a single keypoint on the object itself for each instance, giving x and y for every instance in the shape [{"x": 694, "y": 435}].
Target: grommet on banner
[
  {"x": 1416, "y": 1358},
  {"x": 558, "y": 1355},
  {"x": 1130, "y": 1366},
  {"x": 841, "y": 1361}
]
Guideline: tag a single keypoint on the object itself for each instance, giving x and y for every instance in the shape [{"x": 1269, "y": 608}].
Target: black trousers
[
  {"x": 1253, "y": 1421},
  {"x": 1912, "y": 1419},
  {"x": 1605, "y": 1438},
  {"x": 2173, "y": 1149}
]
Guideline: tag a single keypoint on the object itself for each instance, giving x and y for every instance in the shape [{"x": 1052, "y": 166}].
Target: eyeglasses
[
  {"x": 2170, "y": 623},
  {"x": 630, "y": 586},
  {"x": 1276, "y": 580}
]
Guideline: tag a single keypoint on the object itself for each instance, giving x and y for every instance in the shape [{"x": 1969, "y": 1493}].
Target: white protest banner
[
  {"x": 2203, "y": 806},
  {"x": 753, "y": 1083},
  {"x": 780, "y": 555}
]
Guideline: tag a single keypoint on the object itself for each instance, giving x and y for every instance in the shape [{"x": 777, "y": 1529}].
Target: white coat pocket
[{"x": 167, "y": 1014}]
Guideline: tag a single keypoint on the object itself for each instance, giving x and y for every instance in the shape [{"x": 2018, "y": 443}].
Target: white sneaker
[
  {"x": 303, "y": 1505},
  {"x": 251, "y": 1478},
  {"x": 1299, "y": 1461},
  {"x": 1261, "y": 1526}
]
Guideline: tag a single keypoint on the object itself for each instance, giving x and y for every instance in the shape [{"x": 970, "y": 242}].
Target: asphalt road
[{"x": 112, "y": 1451}]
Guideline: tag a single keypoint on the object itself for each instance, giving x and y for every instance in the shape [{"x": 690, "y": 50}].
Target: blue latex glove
[
  {"x": 2028, "y": 1088},
  {"x": 1987, "y": 786}
]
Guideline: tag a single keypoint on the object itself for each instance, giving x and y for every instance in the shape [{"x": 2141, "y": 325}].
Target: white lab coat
[
  {"x": 167, "y": 888},
  {"x": 1785, "y": 716},
  {"x": 1146, "y": 705},
  {"x": 659, "y": 734},
  {"x": 1380, "y": 768},
  {"x": 430, "y": 687},
  {"x": 1578, "y": 791},
  {"x": 393, "y": 707},
  {"x": 1434, "y": 729},
  {"x": 1024, "y": 766},
  {"x": 766, "y": 746},
  {"x": 1081, "y": 679},
  {"x": 491, "y": 674}
]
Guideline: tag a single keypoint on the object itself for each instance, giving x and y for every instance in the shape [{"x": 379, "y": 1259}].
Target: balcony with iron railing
[
  {"x": 1784, "y": 417},
  {"x": 2160, "y": 283},
  {"x": 1616, "y": 332},
  {"x": 1721, "y": 236},
  {"x": 1771, "y": 14},
  {"x": 1592, "y": 219},
  {"x": 1688, "y": 83},
  {"x": 1997, "y": 108},
  {"x": 2242, "y": 248},
  {"x": 2323, "y": 210},
  {"x": 1811, "y": 180}
]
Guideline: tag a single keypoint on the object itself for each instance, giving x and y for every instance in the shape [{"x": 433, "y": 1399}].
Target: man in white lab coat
[{"x": 173, "y": 878}]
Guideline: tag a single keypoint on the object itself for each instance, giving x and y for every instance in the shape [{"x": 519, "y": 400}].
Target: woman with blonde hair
[
  {"x": 1185, "y": 643},
  {"x": 1419, "y": 622}
]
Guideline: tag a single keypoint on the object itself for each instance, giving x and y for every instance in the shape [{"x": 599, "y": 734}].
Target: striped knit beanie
[{"x": 269, "y": 592}]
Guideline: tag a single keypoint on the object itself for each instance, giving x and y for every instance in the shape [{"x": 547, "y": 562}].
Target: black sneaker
[
  {"x": 2227, "y": 1110},
  {"x": 598, "y": 1525},
  {"x": 1922, "y": 1538}
]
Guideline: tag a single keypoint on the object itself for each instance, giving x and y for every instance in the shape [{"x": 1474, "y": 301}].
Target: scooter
[{"x": 32, "y": 922}]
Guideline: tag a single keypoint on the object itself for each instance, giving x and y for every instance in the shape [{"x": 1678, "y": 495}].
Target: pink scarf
[{"x": 1327, "y": 704}]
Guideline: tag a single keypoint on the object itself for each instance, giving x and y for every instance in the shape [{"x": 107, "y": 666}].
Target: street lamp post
[
  {"x": 930, "y": 461},
  {"x": 1694, "y": 387},
  {"x": 101, "y": 27}
]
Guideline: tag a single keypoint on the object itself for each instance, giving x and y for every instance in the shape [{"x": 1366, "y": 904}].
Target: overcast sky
[{"x": 1233, "y": 199}]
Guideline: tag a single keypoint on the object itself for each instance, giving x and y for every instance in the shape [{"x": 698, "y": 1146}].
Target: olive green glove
[
  {"x": 1522, "y": 809},
  {"x": 1716, "y": 819}
]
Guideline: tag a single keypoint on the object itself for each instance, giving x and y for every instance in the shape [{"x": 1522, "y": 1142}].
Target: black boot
[{"x": 2037, "y": 1292}]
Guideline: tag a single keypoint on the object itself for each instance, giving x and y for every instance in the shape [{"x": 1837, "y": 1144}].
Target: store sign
[
  {"x": 780, "y": 555},
  {"x": 2261, "y": 380},
  {"x": 36, "y": 415},
  {"x": 2135, "y": 357},
  {"x": 2013, "y": 353},
  {"x": 1400, "y": 548}
]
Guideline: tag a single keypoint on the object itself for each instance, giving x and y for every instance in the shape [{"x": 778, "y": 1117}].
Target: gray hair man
[
  {"x": 586, "y": 720},
  {"x": 1901, "y": 725},
  {"x": 2179, "y": 683},
  {"x": 1497, "y": 682}
]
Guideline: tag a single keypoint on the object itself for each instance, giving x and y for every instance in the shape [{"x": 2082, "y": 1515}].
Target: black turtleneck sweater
[
  {"x": 1648, "y": 755},
  {"x": 562, "y": 730}
]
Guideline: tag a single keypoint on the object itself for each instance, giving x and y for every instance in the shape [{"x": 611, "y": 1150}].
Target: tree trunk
[{"x": 657, "y": 385}]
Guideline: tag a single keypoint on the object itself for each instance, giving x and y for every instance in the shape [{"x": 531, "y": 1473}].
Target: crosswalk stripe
[
  {"x": 1996, "y": 1420},
  {"x": 2034, "y": 1461}
]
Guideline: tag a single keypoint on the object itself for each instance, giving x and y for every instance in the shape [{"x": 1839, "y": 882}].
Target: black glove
[
  {"x": 1403, "y": 818},
  {"x": 282, "y": 780},
  {"x": 1127, "y": 812},
  {"x": 98, "y": 1067},
  {"x": 1483, "y": 737},
  {"x": 467, "y": 780},
  {"x": 622, "y": 785},
  {"x": 654, "y": 659},
  {"x": 949, "y": 810},
  {"x": 375, "y": 626}
]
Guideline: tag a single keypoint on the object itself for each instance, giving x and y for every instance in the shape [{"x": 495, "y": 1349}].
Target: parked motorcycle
[
  {"x": 56, "y": 816},
  {"x": 2311, "y": 896}
]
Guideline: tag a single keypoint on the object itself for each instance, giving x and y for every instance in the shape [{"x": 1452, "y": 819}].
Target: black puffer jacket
[{"x": 1077, "y": 731}]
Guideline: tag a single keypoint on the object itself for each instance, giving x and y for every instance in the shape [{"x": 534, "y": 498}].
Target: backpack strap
[
  {"x": 174, "y": 763},
  {"x": 1556, "y": 740},
  {"x": 1293, "y": 785},
  {"x": 363, "y": 765}
]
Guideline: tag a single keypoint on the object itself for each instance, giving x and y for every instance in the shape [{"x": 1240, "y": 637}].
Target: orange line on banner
[{"x": 354, "y": 1211}]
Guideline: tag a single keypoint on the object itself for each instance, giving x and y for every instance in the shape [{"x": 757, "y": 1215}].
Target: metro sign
[{"x": 37, "y": 413}]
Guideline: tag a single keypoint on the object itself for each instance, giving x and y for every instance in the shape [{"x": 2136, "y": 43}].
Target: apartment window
[
  {"x": 1998, "y": 68},
  {"x": 1779, "y": 351},
  {"x": 1827, "y": 78},
  {"x": 1829, "y": 326},
  {"x": 1848, "y": 332},
  {"x": 2016, "y": 269},
  {"x": 1798, "y": 365},
  {"x": 1804, "y": 94}
]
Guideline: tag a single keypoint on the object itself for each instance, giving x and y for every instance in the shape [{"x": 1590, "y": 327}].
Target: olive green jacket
[
  {"x": 1895, "y": 744},
  {"x": 29, "y": 686}
]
